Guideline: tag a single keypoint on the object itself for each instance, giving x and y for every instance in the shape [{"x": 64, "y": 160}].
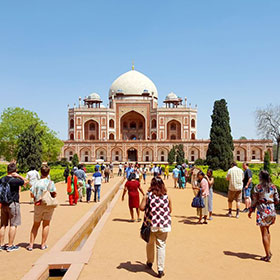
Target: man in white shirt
[
  {"x": 32, "y": 176},
  {"x": 235, "y": 178}
]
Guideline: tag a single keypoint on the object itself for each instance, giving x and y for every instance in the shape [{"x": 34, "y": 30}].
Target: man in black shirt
[
  {"x": 10, "y": 213},
  {"x": 247, "y": 186}
]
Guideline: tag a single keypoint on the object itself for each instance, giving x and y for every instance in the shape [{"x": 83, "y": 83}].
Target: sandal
[
  {"x": 44, "y": 247},
  {"x": 266, "y": 258}
]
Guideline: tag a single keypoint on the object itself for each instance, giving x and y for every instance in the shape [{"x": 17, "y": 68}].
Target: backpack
[{"x": 5, "y": 192}]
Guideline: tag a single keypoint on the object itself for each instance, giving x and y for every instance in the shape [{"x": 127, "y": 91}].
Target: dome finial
[{"x": 132, "y": 64}]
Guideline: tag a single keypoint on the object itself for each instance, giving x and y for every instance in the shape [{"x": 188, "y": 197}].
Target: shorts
[
  {"x": 11, "y": 213},
  {"x": 42, "y": 213},
  {"x": 247, "y": 192},
  {"x": 234, "y": 195}
]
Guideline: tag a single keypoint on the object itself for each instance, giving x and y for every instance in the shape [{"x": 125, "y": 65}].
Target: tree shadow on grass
[
  {"x": 242, "y": 255},
  {"x": 137, "y": 267}
]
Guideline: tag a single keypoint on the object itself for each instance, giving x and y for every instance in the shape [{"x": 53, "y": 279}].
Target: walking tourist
[
  {"x": 182, "y": 178},
  {"x": 120, "y": 169},
  {"x": 235, "y": 178},
  {"x": 175, "y": 176},
  {"x": 89, "y": 190},
  {"x": 32, "y": 176},
  {"x": 129, "y": 170},
  {"x": 124, "y": 169},
  {"x": 133, "y": 187},
  {"x": 203, "y": 187},
  {"x": 72, "y": 188},
  {"x": 10, "y": 209},
  {"x": 264, "y": 198},
  {"x": 157, "y": 206},
  {"x": 144, "y": 171},
  {"x": 66, "y": 173},
  {"x": 97, "y": 181},
  {"x": 81, "y": 175},
  {"x": 102, "y": 168},
  {"x": 247, "y": 186},
  {"x": 111, "y": 166},
  {"x": 107, "y": 173},
  {"x": 137, "y": 174},
  {"x": 42, "y": 213},
  {"x": 166, "y": 172},
  {"x": 209, "y": 177}
]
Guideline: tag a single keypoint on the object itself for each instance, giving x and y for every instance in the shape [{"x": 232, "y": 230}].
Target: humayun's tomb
[{"x": 135, "y": 128}]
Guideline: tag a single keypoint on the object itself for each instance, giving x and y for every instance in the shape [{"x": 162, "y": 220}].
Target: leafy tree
[
  {"x": 13, "y": 122},
  {"x": 219, "y": 153},
  {"x": 171, "y": 155},
  {"x": 75, "y": 160},
  {"x": 266, "y": 162},
  {"x": 29, "y": 149},
  {"x": 242, "y": 138},
  {"x": 268, "y": 124},
  {"x": 180, "y": 154}
]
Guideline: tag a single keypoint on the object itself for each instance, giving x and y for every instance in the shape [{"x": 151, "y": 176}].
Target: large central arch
[{"x": 133, "y": 126}]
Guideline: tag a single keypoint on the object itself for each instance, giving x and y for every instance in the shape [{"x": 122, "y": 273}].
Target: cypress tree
[
  {"x": 180, "y": 154},
  {"x": 171, "y": 155},
  {"x": 30, "y": 149},
  {"x": 266, "y": 162},
  {"x": 219, "y": 153},
  {"x": 75, "y": 160}
]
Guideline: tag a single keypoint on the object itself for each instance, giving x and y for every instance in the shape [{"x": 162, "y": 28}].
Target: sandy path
[
  {"x": 226, "y": 248},
  {"x": 15, "y": 264}
]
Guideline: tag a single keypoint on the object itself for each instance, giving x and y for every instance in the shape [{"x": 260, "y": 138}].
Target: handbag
[
  {"x": 198, "y": 201},
  {"x": 145, "y": 230},
  {"x": 48, "y": 200}
]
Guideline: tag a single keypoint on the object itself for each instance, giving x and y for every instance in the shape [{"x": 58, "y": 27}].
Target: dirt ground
[
  {"x": 15, "y": 264},
  {"x": 226, "y": 248}
]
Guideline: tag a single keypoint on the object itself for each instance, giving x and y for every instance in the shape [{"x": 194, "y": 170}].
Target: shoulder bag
[
  {"x": 198, "y": 201},
  {"x": 145, "y": 230},
  {"x": 47, "y": 199}
]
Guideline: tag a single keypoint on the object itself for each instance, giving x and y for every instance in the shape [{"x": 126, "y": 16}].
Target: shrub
[{"x": 199, "y": 161}]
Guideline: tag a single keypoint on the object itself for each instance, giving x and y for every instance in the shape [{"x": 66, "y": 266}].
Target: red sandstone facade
[{"x": 134, "y": 128}]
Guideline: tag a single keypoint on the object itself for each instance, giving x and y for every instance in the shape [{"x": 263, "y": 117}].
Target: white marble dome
[
  {"x": 133, "y": 83},
  {"x": 171, "y": 96},
  {"x": 94, "y": 96}
]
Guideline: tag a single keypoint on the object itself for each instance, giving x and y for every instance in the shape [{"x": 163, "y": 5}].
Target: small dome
[
  {"x": 133, "y": 83},
  {"x": 94, "y": 96},
  {"x": 171, "y": 96}
]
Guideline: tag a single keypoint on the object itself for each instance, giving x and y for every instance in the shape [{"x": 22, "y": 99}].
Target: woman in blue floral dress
[{"x": 264, "y": 198}]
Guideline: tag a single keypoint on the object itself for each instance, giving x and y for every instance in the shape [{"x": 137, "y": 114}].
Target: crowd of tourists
[{"x": 156, "y": 203}]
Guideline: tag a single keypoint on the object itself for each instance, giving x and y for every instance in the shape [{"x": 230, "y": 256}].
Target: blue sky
[{"x": 52, "y": 52}]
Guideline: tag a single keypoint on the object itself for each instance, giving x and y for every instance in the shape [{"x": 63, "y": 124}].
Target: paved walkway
[
  {"x": 226, "y": 248},
  {"x": 14, "y": 265}
]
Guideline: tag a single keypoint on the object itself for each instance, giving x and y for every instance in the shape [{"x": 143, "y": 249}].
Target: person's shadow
[
  {"x": 137, "y": 267},
  {"x": 242, "y": 255}
]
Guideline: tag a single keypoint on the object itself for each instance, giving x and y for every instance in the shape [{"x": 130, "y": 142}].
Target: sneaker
[
  {"x": 229, "y": 214},
  {"x": 160, "y": 274},
  {"x": 2, "y": 248},
  {"x": 237, "y": 216},
  {"x": 12, "y": 248},
  {"x": 246, "y": 210}
]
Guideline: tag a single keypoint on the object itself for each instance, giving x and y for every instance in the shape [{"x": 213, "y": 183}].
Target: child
[{"x": 89, "y": 189}]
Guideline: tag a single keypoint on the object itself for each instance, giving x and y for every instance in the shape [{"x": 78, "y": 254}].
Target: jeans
[
  {"x": 97, "y": 192},
  {"x": 88, "y": 194}
]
